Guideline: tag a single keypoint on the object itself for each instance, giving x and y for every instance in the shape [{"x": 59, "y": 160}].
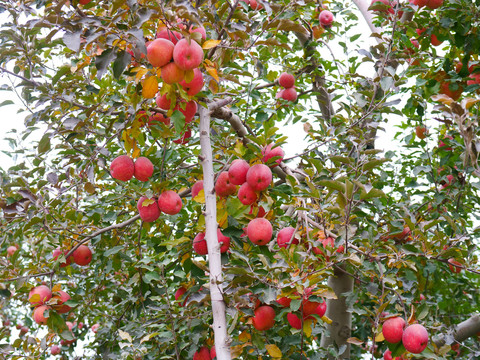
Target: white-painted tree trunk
[{"x": 222, "y": 343}]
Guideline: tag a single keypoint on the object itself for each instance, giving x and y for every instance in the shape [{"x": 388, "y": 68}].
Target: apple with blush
[
  {"x": 82, "y": 255},
  {"x": 55, "y": 350},
  {"x": 223, "y": 186},
  {"x": 202, "y": 354},
  {"x": 143, "y": 168},
  {"x": 195, "y": 85},
  {"x": 171, "y": 35},
  {"x": 12, "y": 250},
  {"x": 415, "y": 338},
  {"x": 264, "y": 318},
  {"x": 187, "y": 54},
  {"x": 122, "y": 168},
  {"x": 169, "y": 202},
  {"x": 200, "y": 244},
  {"x": 237, "y": 172},
  {"x": 148, "y": 209},
  {"x": 246, "y": 194},
  {"x": 172, "y": 74},
  {"x": 269, "y": 152},
  {"x": 160, "y": 52},
  {"x": 393, "y": 329},
  {"x": 326, "y": 18},
  {"x": 259, "y": 177},
  {"x": 39, "y": 314},
  {"x": 188, "y": 109},
  {"x": 39, "y": 295},
  {"x": 260, "y": 231},
  {"x": 196, "y": 188},
  {"x": 286, "y": 237},
  {"x": 286, "y": 80}
]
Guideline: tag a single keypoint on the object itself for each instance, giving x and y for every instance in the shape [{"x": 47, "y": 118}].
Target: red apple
[
  {"x": 454, "y": 265},
  {"x": 172, "y": 74},
  {"x": 143, "y": 169},
  {"x": 160, "y": 52},
  {"x": 224, "y": 240},
  {"x": 57, "y": 252},
  {"x": 393, "y": 329},
  {"x": 326, "y": 18},
  {"x": 188, "y": 109},
  {"x": 223, "y": 186},
  {"x": 39, "y": 315},
  {"x": 442, "y": 144},
  {"x": 169, "y": 202},
  {"x": 259, "y": 177},
  {"x": 286, "y": 80},
  {"x": 62, "y": 297},
  {"x": 185, "y": 137},
  {"x": 82, "y": 256},
  {"x": 173, "y": 36},
  {"x": 294, "y": 321},
  {"x": 200, "y": 30},
  {"x": 246, "y": 194},
  {"x": 196, "y": 188},
  {"x": 213, "y": 352},
  {"x": 202, "y": 354},
  {"x": 446, "y": 90},
  {"x": 180, "y": 292},
  {"x": 421, "y": 132},
  {"x": 269, "y": 153},
  {"x": 194, "y": 86},
  {"x": 237, "y": 171},
  {"x": 84, "y": 2},
  {"x": 255, "y": 6},
  {"x": 55, "y": 350},
  {"x": 289, "y": 94},
  {"x": 24, "y": 330},
  {"x": 187, "y": 54},
  {"x": 95, "y": 328},
  {"x": 415, "y": 338},
  {"x": 148, "y": 209},
  {"x": 163, "y": 102},
  {"x": 11, "y": 250},
  {"x": 259, "y": 231},
  {"x": 264, "y": 318},
  {"x": 158, "y": 118},
  {"x": 122, "y": 168},
  {"x": 286, "y": 236},
  {"x": 200, "y": 244},
  {"x": 434, "y": 4},
  {"x": 284, "y": 301},
  {"x": 44, "y": 294}
]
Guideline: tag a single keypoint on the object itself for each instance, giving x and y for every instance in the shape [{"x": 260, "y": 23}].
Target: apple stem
[{"x": 222, "y": 340}]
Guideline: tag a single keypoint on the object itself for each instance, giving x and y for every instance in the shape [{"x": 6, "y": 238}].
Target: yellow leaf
[
  {"x": 210, "y": 44},
  {"x": 125, "y": 335},
  {"x": 355, "y": 341},
  {"x": 140, "y": 72},
  {"x": 379, "y": 337},
  {"x": 213, "y": 86},
  {"x": 237, "y": 350},
  {"x": 200, "y": 198},
  {"x": 274, "y": 351},
  {"x": 213, "y": 72},
  {"x": 136, "y": 151},
  {"x": 56, "y": 287},
  {"x": 244, "y": 336},
  {"x": 147, "y": 202},
  {"x": 468, "y": 102},
  {"x": 445, "y": 99},
  {"x": 150, "y": 87},
  {"x": 307, "y": 327},
  {"x": 326, "y": 319}
]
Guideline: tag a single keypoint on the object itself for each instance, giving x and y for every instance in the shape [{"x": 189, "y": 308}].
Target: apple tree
[{"x": 246, "y": 179}]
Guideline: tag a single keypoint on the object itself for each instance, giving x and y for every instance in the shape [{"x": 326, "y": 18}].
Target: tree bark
[
  {"x": 337, "y": 310},
  {"x": 222, "y": 343},
  {"x": 461, "y": 332}
]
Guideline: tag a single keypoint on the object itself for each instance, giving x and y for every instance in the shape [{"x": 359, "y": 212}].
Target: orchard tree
[{"x": 155, "y": 211}]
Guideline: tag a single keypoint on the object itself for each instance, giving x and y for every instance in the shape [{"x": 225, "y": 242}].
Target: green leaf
[
  {"x": 178, "y": 120},
  {"x": 120, "y": 63},
  {"x": 113, "y": 250},
  {"x": 44, "y": 144}
]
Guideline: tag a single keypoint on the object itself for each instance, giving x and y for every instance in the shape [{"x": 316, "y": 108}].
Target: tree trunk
[
  {"x": 222, "y": 343},
  {"x": 337, "y": 310}
]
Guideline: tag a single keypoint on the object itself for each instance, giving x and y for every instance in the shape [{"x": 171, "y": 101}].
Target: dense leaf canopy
[{"x": 404, "y": 220}]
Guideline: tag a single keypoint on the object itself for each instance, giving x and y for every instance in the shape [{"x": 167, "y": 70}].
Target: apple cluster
[
  {"x": 288, "y": 93},
  {"x": 413, "y": 337},
  {"x": 307, "y": 309},
  {"x": 123, "y": 168},
  {"x": 200, "y": 243},
  {"x": 169, "y": 202}
]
